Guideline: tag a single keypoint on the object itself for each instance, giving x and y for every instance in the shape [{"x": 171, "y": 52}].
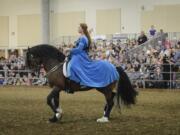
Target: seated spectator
[
  {"x": 1, "y": 79},
  {"x": 152, "y": 31},
  {"x": 17, "y": 80},
  {"x": 167, "y": 44},
  {"x": 24, "y": 80},
  {"x": 177, "y": 56},
  {"x": 142, "y": 38}
]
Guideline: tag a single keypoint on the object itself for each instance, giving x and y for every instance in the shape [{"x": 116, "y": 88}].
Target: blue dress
[{"x": 87, "y": 72}]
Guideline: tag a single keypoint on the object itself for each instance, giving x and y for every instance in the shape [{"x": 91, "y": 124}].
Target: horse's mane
[{"x": 47, "y": 51}]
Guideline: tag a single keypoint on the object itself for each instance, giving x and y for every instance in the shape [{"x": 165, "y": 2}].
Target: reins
[{"x": 54, "y": 69}]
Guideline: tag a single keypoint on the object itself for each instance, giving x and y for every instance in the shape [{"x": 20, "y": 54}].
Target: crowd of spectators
[
  {"x": 152, "y": 68},
  {"x": 14, "y": 72}
]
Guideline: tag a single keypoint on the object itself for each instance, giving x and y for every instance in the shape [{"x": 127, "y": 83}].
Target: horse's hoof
[
  {"x": 103, "y": 120},
  {"x": 58, "y": 116},
  {"x": 55, "y": 118}
]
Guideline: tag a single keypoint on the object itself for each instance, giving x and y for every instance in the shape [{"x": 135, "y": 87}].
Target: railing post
[
  {"x": 170, "y": 77},
  {"x": 5, "y": 74}
]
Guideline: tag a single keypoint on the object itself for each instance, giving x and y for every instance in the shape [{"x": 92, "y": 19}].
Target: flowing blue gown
[{"x": 87, "y": 72}]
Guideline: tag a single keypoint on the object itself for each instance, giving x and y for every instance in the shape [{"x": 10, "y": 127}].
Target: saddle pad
[{"x": 65, "y": 69}]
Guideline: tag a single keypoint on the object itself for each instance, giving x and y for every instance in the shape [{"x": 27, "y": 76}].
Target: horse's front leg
[{"x": 53, "y": 102}]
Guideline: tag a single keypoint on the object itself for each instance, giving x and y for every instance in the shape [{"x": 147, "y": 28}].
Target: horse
[{"x": 53, "y": 60}]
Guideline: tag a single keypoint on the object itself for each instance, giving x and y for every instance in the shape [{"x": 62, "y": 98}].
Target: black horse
[{"x": 52, "y": 60}]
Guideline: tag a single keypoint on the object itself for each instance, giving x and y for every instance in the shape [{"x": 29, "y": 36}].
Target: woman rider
[{"x": 87, "y": 72}]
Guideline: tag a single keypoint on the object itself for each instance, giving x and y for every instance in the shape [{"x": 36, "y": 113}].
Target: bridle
[{"x": 53, "y": 69}]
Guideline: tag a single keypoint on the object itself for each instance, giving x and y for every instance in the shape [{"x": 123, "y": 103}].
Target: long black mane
[{"x": 47, "y": 51}]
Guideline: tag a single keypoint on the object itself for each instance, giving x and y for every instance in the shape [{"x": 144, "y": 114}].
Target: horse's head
[
  {"x": 43, "y": 54},
  {"x": 32, "y": 59}
]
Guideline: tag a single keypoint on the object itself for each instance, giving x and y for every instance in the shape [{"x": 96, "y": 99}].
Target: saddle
[{"x": 69, "y": 83}]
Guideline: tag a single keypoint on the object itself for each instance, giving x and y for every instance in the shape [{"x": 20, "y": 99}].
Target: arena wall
[{"x": 126, "y": 16}]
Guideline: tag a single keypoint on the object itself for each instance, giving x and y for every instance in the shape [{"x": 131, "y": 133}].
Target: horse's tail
[{"x": 125, "y": 90}]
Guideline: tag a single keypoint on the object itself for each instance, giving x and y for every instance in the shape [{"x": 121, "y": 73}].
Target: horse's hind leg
[
  {"x": 53, "y": 102},
  {"x": 108, "y": 107},
  {"x": 109, "y": 95}
]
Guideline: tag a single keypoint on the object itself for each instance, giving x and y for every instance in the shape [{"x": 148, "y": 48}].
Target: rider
[
  {"x": 87, "y": 72},
  {"x": 80, "y": 51}
]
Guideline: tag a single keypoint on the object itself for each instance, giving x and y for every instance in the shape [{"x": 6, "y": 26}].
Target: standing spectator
[
  {"x": 163, "y": 38},
  {"x": 159, "y": 77},
  {"x": 152, "y": 31},
  {"x": 178, "y": 44},
  {"x": 161, "y": 32},
  {"x": 142, "y": 38},
  {"x": 166, "y": 71}
]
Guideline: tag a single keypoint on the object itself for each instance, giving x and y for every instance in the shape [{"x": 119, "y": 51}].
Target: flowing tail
[{"x": 125, "y": 90}]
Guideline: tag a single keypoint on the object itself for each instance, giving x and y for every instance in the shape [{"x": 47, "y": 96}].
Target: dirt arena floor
[{"x": 23, "y": 111}]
